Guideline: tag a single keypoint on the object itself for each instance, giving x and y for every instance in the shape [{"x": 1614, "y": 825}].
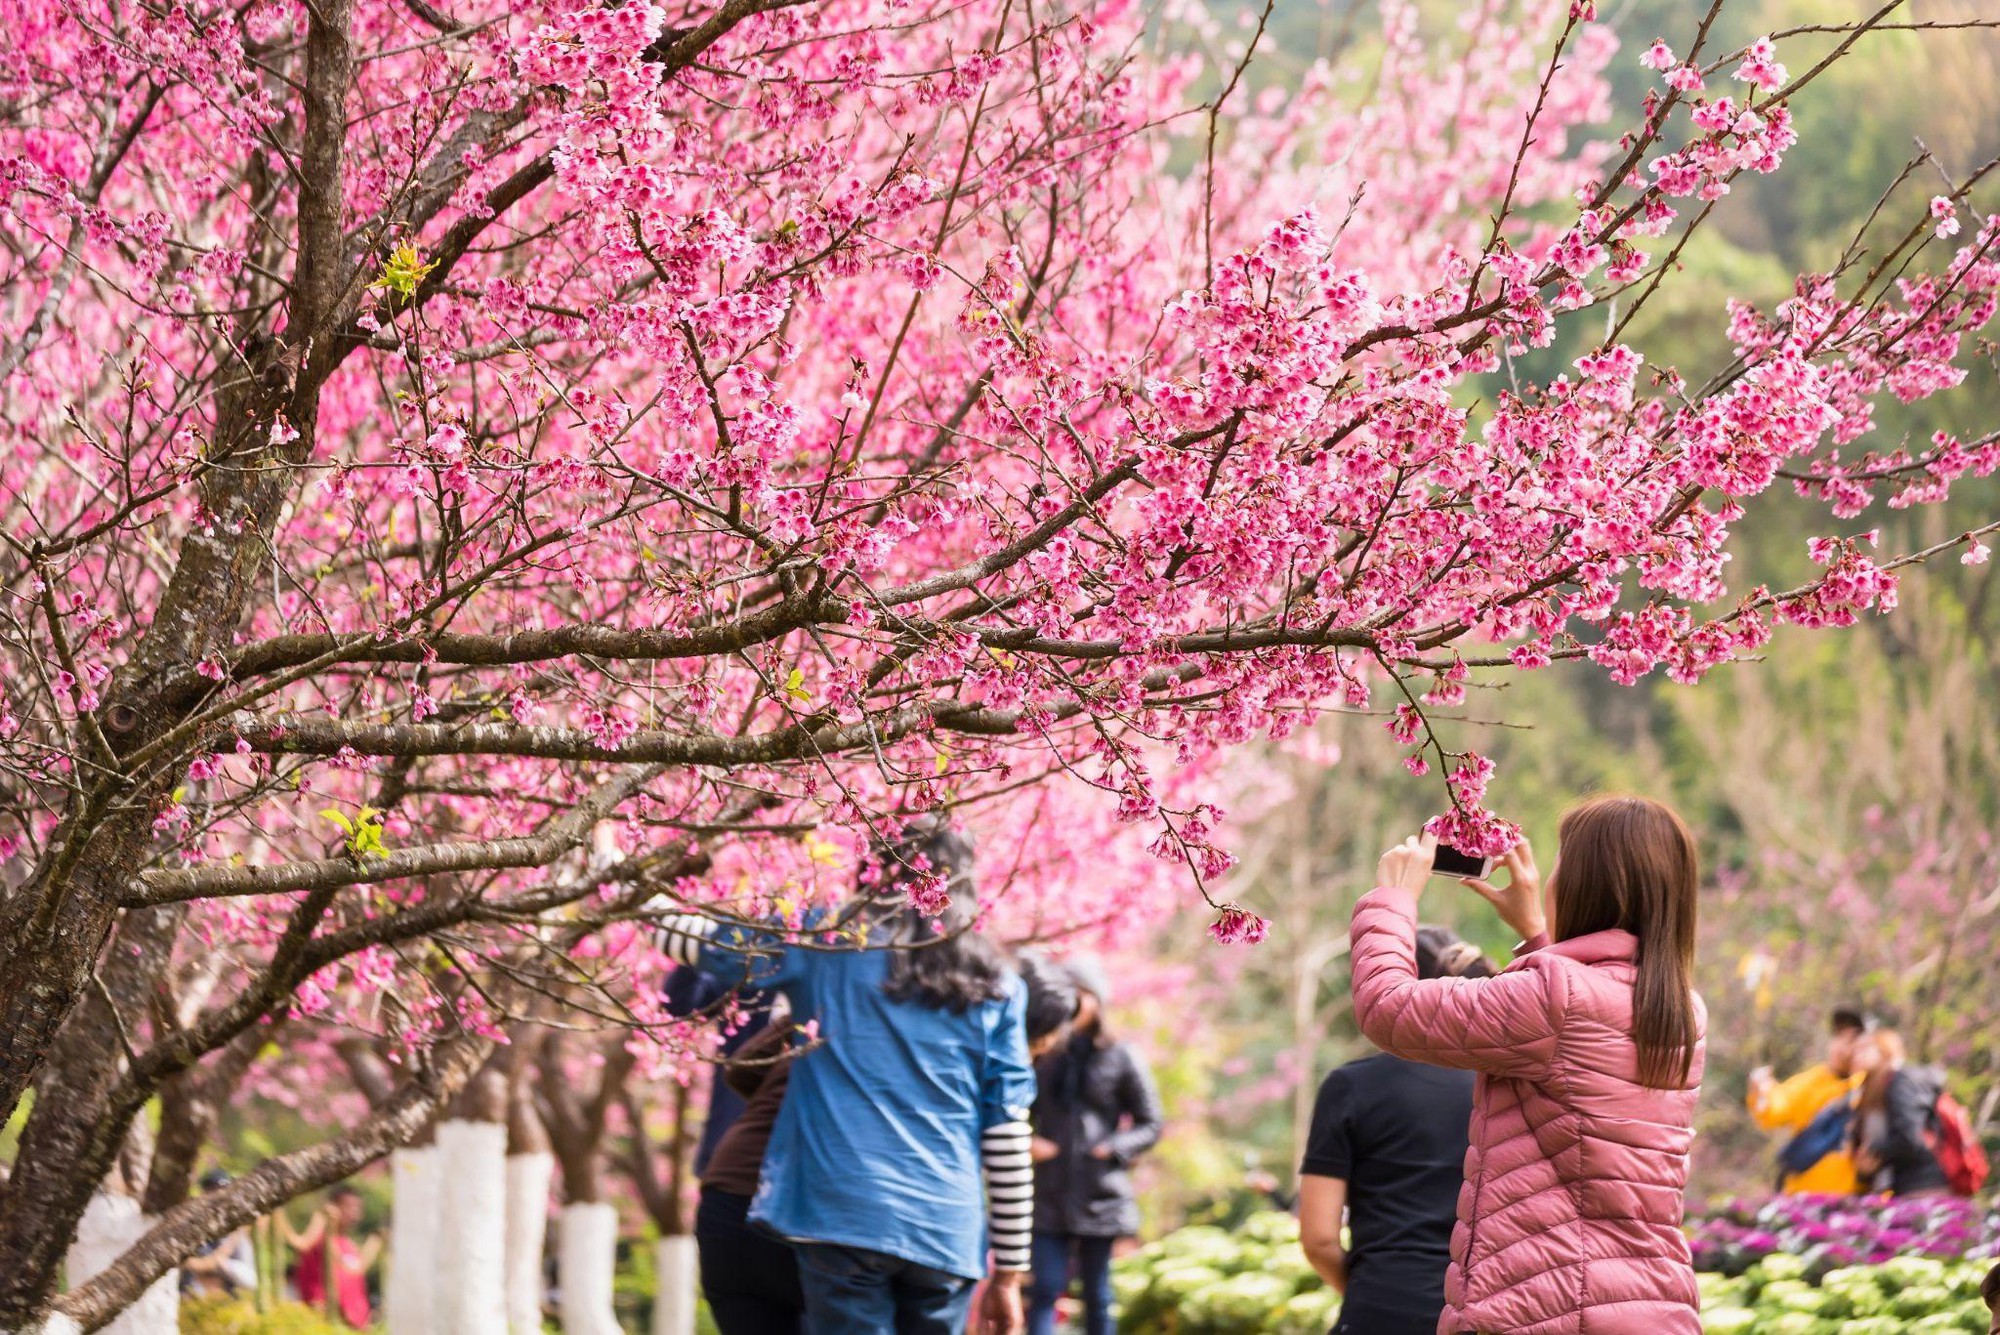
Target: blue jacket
[{"x": 877, "y": 1145}]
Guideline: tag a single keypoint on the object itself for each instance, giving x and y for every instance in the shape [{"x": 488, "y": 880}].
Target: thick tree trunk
[
  {"x": 587, "y": 1261},
  {"x": 411, "y": 1289},
  {"x": 471, "y": 1257},
  {"x": 191, "y": 1103},
  {"x": 587, "y": 1248},
  {"x": 528, "y": 1179},
  {"x": 531, "y": 1170},
  {"x": 676, "y": 1272},
  {"x": 82, "y": 1114}
]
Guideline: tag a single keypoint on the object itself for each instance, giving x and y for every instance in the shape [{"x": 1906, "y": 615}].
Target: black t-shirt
[{"x": 1396, "y": 1131}]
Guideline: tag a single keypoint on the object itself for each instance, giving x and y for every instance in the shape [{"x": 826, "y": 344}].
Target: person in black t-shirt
[{"x": 1387, "y": 1147}]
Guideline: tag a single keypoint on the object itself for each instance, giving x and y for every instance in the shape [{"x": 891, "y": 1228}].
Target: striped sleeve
[
  {"x": 682, "y": 936},
  {"x": 1010, "y": 1192}
]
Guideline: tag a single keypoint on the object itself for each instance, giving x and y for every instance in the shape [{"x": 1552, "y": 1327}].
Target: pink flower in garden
[
  {"x": 1658, "y": 56},
  {"x": 1975, "y": 555}
]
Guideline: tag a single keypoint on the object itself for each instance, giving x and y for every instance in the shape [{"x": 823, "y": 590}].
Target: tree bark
[
  {"x": 191, "y": 1103},
  {"x": 83, "y": 1111}
]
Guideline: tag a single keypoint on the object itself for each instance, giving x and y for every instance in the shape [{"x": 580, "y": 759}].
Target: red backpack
[{"x": 1957, "y": 1146}]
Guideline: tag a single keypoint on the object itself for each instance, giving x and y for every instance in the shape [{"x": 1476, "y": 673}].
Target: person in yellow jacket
[{"x": 1791, "y": 1105}]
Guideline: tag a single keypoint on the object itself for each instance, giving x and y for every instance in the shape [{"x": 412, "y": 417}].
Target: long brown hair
[
  {"x": 1889, "y": 1058},
  {"x": 1629, "y": 863}
]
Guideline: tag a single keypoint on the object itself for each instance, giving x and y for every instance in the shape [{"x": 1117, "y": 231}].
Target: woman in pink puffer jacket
[{"x": 1589, "y": 1052}]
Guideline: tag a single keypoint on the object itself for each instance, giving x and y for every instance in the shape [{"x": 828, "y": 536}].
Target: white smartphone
[{"x": 1461, "y": 866}]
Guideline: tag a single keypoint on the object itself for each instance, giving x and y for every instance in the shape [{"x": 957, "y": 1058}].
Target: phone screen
[{"x": 1451, "y": 862}]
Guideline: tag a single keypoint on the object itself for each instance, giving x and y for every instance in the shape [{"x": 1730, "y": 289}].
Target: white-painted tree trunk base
[
  {"x": 109, "y": 1227},
  {"x": 528, "y": 1178},
  {"x": 413, "y": 1233},
  {"x": 676, "y": 1270},
  {"x": 471, "y": 1260},
  {"x": 586, "y": 1259},
  {"x": 54, "y": 1325}
]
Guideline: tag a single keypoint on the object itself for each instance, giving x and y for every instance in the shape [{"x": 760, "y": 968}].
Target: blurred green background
[{"x": 1844, "y": 787}]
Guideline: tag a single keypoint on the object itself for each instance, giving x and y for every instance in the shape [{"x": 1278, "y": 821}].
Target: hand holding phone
[
  {"x": 1520, "y": 900},
  {"x": 1408, "y": 864}
]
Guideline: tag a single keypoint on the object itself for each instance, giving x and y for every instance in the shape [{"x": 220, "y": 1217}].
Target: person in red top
[{"x": 328, "y": 1238}]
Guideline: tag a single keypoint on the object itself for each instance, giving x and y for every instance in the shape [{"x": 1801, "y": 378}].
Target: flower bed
[
  {"x": 1909, "y": 1295},
  {"x": 1832, "y": 1232},
  {"x": 1208, "y": 1281},
  {"x": 1255, "y": 1280}
]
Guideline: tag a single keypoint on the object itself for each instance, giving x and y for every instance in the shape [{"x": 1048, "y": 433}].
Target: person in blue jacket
[{"x": 919, "y": 1088}]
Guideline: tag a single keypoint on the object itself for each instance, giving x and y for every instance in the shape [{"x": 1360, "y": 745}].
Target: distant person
[
  {"x": 1387, "y": 1148},
  {"x": 1814, "y": 1106},
  {"x": 1096, "y": 1111},
  {"x": 1990, "y": 1291},
  {"x": 873, "y": 1168},
  {"x": 750, "y": 1278},
  {"x": 327, "y": 1248},
  {"x": 1892, "y": 1120},
  {"x": 225, "y": 1267},
  {"x": 1590, "y": 1046}
]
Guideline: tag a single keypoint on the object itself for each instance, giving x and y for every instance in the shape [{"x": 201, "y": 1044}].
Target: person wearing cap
[
  {"x": 1793, "y": 1105},
  {"x": 1096, "y": 1111}
]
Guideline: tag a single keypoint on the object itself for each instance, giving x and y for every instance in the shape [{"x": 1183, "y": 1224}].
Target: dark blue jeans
[
  {"x": 751, "y": 1279},
  {"x": 849, "y": 1291},
  {"x": 1056, "y": 1257}
]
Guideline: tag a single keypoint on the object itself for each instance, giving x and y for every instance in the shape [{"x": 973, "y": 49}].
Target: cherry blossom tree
[{"x": 434, "y": 436}]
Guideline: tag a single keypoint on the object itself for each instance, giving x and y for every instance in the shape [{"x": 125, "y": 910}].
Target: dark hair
[
  {"x": 1846, "y": 1017},
  {"x": 342, "y": 1191},
  {"x": 214, "y": 1180},
  {"x": 934, "y": 959},
  {"x": 1052, "y": 999},
  {"x": 1442, "y": 953},
  {"x": 1629, "y": 863}
]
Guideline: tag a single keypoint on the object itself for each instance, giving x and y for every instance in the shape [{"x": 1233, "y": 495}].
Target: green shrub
[{"x": 239, "y": 1316}]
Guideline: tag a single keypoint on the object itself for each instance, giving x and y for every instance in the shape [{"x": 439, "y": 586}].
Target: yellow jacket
[{"x": 1790, "y": 1106}]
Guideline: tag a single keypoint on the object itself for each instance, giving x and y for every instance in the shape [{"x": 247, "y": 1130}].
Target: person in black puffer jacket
[{"x": 1096, "y": 1110}]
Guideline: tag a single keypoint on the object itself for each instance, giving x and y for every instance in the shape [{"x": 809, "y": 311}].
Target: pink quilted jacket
[{"x": 1569, "y": 1222}]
